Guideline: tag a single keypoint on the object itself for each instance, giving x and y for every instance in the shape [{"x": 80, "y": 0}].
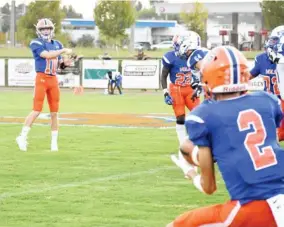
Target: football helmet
[
  {"x": 224, "y": 70},
  {"x": 45, "y": 29},
  {"x": 191, "y": 42}
]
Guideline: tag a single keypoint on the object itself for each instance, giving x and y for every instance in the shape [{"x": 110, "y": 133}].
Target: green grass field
[
  {"x": 105, "y": 177},
  {"x": 93, "y": 52}
]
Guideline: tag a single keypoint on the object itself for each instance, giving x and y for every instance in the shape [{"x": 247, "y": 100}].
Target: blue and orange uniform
[
  {"x": 46, "y": 82},
  {"x": 180, "y": 79}
]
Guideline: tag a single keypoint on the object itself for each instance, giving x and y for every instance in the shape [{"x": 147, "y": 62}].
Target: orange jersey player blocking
[
  {"x": 181, "y": 92},
  {"x": 47, "y": 54},
  {"x": 238, "y": 132}
]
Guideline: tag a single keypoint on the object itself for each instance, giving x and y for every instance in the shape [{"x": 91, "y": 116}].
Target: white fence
[
  {"x": 136, "y": 74},
  {"x": 2, "y": 72}
]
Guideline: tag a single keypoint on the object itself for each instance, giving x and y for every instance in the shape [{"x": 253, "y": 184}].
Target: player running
[
  {"x": 238, "y": 132},
  {"x": 47, "y": 54}
]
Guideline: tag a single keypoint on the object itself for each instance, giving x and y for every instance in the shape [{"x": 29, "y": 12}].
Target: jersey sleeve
[
  {"x": 167, "y": 60},
  {"x": 60, "y": 59},
  {"x": 36, "y": 47},
  {"x": 255, "y": 71},
  {"x": 197, "y": 129},
  {"x": 277, "y": 109},
  {"x": 195, "y": 57},
  {"x": 60, "y": 45}
]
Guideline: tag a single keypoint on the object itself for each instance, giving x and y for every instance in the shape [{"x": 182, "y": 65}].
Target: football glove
[
  {"x": 197, "y": 91},
  {"x": 273, "y": 56},
  {"x": 194, "y": 82},
  {"x": 168, "y": 98}
]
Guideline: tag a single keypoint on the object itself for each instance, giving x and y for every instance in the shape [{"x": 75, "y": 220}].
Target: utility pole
[
  {"x": 13, "y": 23},
  {"x": 132, "y": 30}
]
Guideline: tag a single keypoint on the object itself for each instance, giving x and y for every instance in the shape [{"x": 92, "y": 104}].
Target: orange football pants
[
  {"x": 182, "y": 98},
  {"x": 46, "y": 85},
  {"x": 230, "y": 214}
]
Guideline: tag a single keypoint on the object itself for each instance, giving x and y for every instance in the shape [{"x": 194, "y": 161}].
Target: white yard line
[
  {"x": 190, "y": 206},
  {"x": 7, "y": 195},
  {"x": 92, "y": 126}
]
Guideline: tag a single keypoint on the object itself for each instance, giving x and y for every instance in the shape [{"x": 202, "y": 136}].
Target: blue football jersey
[
  {"x": 267, "y": 69},
  {"x": 180, "y": 73},
  {"x": 241, "y": 133},
  {"x": 196, "y": 56},
  {"x": 47, "y": 66}
]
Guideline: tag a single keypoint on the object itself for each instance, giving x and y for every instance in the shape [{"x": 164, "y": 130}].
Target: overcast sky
[{"x": 82, "y": 6}]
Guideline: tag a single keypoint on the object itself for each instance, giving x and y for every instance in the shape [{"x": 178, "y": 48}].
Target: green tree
[
  {"x": 196, "y": 18},
  {"x": 272, "y": 12},
  {"x": 70, "y": 12},
  {"x": 86, "y": 41},
  {"x": 112, "y": 19},
  {"x": 37, "y": 10},
  {"x": 5, "y": 11},
  {"x": 138, "y": 6},
  {"x": 147, "y": 13}
]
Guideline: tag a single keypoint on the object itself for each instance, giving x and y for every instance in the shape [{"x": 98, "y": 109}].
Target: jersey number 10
[
  {"x": 261, "y": 157},
  {"x": 51, "y": 66}
]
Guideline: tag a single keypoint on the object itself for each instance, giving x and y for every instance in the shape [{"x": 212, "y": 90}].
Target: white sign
[
  {"x": 68, "y": 80},
  {"x": 94, "y": 72},
  {"x": 250, "y": 64},
  {"x": 140, "y": 74},
  {"x": 21, "y": 72},
  {"x": 2, "y": 72}
]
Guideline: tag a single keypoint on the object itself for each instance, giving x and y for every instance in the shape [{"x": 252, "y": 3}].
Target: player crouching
[
  {"x": 235, "y": 130},
  {"x": 47, "y": 54}
]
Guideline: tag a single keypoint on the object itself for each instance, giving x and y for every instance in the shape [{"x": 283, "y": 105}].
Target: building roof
[{"x": 139, "y": 23}]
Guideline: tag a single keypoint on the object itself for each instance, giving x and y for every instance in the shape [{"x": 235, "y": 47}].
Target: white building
[{"x": 151, "y": 31}]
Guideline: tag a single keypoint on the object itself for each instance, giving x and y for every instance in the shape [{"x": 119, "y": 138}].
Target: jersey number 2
[{"x": 261, "y": 157}]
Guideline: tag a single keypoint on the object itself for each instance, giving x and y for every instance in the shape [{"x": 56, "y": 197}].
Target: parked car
[
  {"x": 162, "y": 45},
  {"x": 138, "y": 46},
  {"x": 246, "y": 46},
  {"x": 146, "y": 45}
]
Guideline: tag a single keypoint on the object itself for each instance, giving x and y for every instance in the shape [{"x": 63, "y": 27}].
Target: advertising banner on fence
[
  {"x": 141, "y": 74},
  {"x": 2, "y": 72},
  {"x": 21, "y": 72},
  {"x": 70, "y": 76},
  {"x": 94, "y": 72}
]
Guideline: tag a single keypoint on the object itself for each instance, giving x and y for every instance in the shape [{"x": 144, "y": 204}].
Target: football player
[
  {"x": 47, "y": 55},
  {"x": 266, "y": 68},
  {"x": 238, "y": 132},
  {"x": 270, "y": 65},
  {"x": 179, "y": 94},
  {"x": 184, "y": 88}
]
